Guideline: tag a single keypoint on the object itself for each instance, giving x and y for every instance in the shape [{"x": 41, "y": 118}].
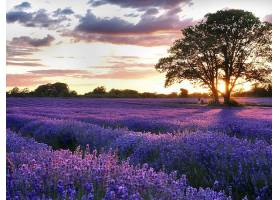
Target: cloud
[
  {"x": 65, "y": 11},
  {"x": 148, "y": 23},
  {"x": 39, "y": 18},
  {"x": 124, "y": 63},
  {"x": 34, "y": 42},
  {"x": 140, "y": 4},
  {"x": 149, "y": 40},
  {"x": 267, "y": 18},
  {"x": 26, "y": 59},
  {"x": 131, "y": 15},
  {"x": 126, "y": 74},
  {"x": 151, "y": 30},
  {"x": 36, "y": 77},
  {"x": 26, "y": 64},
  {"x": 62, "y": 72},
  {"x": 23, "y": 5},
  {"x": 112, "y": 74},
  {"x": 23, "y": 80},
  {"x": 19, "y": 16},
  {"x": 127, "y": 58},
  {"x": 19, "y": 55},
  {"x": 30, "y": 62},
  {"x": 152, "y": 11},
  {"x": 17, "y": 51},
  {"x": 20, "y": 48},
  {"x": 92, "y": 24}
]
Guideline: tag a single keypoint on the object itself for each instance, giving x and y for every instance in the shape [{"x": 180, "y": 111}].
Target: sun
[
  {"x": 221, "y": 86},
  {"x": 244, "y": 86}
]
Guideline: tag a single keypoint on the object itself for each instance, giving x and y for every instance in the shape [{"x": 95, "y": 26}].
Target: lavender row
[
  {"x": 41, "y": 173},
  {"x": 233, "y": 126},
  {"x": 163, "y": 116},
  {"x": 238, "y": 166}
]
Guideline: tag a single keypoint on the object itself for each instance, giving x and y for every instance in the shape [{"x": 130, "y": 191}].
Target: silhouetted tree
[
  {"x": 73, "y": 93},
  {"x": 230, "y": 45},
  {"x": 149, "y": 95},
  {"x": 99, "y": 90},
  {"x": 172, "y": 95},
  {"x": 115, "y": 93},
  {"x": 184, "y": 92},
  {"x": 16, "y": 92},
  {"x": 52, "y": 90},
  {"x": 256, "y": 91},
  {"x": 129, "y": 93}
]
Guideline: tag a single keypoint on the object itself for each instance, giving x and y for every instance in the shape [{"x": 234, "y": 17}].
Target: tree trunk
[
  {"x": 215, "y": 95},
  {"x": 227, "y": 93}
]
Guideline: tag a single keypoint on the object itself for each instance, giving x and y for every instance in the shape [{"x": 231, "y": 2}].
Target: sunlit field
[{"x": 138, "y": 149}]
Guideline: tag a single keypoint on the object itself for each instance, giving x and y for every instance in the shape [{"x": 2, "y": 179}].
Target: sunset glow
[{"x": 78, "y": 43}]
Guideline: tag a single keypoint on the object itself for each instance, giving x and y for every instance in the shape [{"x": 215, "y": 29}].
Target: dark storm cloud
[
  {"x": 140, "y": 4},
  {"x": 39, "y": 18},
  {"x": 65, "y": 11},
  {"x": 23, "y": 5}
]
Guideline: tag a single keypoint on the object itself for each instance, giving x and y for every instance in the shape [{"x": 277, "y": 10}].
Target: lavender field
[{"x": 138, "y": 149}]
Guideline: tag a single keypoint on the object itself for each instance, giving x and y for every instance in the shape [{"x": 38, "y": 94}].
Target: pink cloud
[
  {"x": 23, "y": 80},
  {"x": 151, "y": 30},
  {"x": 268, "y": 18},
  {"x": 126, "y": 74}
]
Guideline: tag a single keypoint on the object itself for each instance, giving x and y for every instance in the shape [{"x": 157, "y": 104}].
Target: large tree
[
  {"x": 228, "y": 46},
  {"x": 52, "y": 90}
]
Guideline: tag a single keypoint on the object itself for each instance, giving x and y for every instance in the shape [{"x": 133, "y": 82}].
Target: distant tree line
[
  {"x": 62, "y": 90},
  {"x": 256, "y": 91},
  {"x": 47, "y": 90},
  {"x": 127, "y": 93}
]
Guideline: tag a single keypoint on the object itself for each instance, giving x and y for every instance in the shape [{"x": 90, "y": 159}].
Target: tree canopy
[
  {"x": 47, "y": 90},
  {"x": 52, "y": 90},
  {"x": 229, "y": 46}
]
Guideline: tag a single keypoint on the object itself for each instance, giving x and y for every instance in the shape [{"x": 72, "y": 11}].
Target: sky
[{"x": 111, "y": 43}]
